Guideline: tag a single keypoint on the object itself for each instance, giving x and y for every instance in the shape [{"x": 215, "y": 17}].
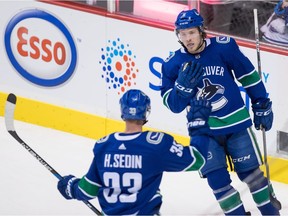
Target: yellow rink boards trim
[{"x": 95, "y": 127}]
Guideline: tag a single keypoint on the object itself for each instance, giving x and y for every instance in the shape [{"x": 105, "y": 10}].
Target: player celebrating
[
  {"x": 222, "y": 64},
  {"x": 127, "y": 167}
]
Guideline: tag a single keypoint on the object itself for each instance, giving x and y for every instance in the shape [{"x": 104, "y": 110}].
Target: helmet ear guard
[
  {"x": 135, "y": 105},
  {"x": 201, "y": 29}
]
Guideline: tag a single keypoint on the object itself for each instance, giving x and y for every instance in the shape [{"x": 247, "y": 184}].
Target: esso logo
[{"x": 40, "y": 47}]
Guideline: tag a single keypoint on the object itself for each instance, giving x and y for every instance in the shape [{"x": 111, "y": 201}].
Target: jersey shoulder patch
[
  {"x": 222, "y": 39},
  {"x": 103, "y": 139},
  {"x": 154, "y": 137},
  {"x": 170, "y": 56}
]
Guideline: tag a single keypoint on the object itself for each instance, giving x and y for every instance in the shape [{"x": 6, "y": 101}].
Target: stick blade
[{"x": 9, "y": 112}]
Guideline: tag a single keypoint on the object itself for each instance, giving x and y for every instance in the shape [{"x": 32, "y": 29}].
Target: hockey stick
[
  {"x": 9, "y": 122},
  {"x": 271, "y": 192}
]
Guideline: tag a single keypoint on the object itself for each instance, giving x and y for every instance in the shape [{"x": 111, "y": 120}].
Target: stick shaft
[
  {"x": 273, "y": 199},
  {"x": 257, "y": 42},
  {"x": 9, "y": 122},
  {"x": 260, "y": 74}
]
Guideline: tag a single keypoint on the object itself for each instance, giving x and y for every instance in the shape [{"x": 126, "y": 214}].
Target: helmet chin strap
[{"x": 201, "y": 44}]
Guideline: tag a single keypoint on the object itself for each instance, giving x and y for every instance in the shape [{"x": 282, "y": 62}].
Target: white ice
[{"x": 28, "y": 188}]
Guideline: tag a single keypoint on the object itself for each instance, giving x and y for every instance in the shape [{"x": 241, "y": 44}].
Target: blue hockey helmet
[
  {"x": 188, "y": 19},
  {"x": 135, "y": 105}
]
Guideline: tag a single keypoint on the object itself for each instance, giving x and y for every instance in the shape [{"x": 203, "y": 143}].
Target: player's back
[{"x": 130, "y": 167}]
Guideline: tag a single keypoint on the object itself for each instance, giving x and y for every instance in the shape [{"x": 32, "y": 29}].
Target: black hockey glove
[
  {"x": 66, "y": 186},
  {"x": 263, "y": 115},
  {"x": 198, "y": 116},
  {"x": 189, "y": 75}
]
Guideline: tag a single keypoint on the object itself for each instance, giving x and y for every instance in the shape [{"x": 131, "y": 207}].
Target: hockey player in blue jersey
[
  {"x": 209, "y": 68},
  {"x": 127, "y": 167}
]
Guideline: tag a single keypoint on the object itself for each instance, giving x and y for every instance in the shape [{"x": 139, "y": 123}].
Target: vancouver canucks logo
[
  {"x": 223, "y": 39},
  {"x": 170, "y": 56},
  {"x": 209, "y": 90}
]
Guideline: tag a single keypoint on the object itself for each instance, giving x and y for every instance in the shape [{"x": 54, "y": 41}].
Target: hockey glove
[
  {"x": 189, "y": 75},
  {"x": 198, "y": 116},
  {"x": 66, "y": 186},
  {"x": 263, "y": 115}
]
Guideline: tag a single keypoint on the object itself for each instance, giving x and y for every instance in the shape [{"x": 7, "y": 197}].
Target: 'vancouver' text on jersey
[{"x": 229, "y": 113}]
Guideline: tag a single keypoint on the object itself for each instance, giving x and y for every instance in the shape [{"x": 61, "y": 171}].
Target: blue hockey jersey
[
  {"x": 127, "y": 169},
  {"x": 224, "y": 66}
]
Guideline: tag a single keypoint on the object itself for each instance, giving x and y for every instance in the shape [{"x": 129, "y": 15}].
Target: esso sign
[{"x": 40, "y": 47}]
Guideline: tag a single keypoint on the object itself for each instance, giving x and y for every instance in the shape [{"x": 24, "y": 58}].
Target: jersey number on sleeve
[
  {"x": 177, "y": 149},
  {"x": 115, "y": 182}
]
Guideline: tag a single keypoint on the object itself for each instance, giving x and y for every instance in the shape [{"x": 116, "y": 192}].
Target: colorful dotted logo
[{"x": 118, "y": 66}]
